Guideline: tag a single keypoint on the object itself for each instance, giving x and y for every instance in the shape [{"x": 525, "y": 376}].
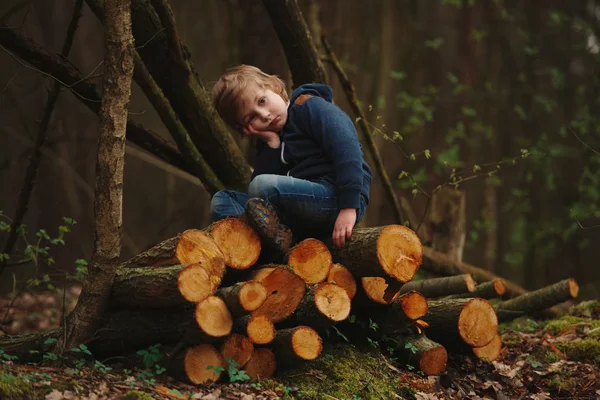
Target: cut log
[
  {"x": 258, "y": 327},
  {"x": 426, "y": 355},
  {"x": 491, "y": 351},
  {"x": 392, "y": 250},
  {"x": 243, "y": 297},
  {"x": 262, "y": 364},
  {"x": 438, "y": 287},
  {"x": 472, "y": 321},
  {"x": 377, "y": 290},
  {"x": 409, "y": 306},
  {"x": 237, "y": 240},
  {"x": 188, "y": 247},
  {"x": 198, "y": 360},
  {"x": 147, "y": 288},
  {"x": 238, "y": 348},
  {"x": 285, "y": 291},
  {"x": 262, "y": 273},
  {"x": 324, "y": 305},
  {"x": 341, "y": 276},
  {"x": 213, "y": 317},
  {"x": 202, "y": 279},
  {"x": 485, "y": 290},
  {"x": 311, "y": 260},
  {"x": 297, "y": 344},
  {"x": 538, "y": 300}
]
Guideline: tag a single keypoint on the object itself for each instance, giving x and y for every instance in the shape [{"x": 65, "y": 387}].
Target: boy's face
[{"x": 262, "y": 110}]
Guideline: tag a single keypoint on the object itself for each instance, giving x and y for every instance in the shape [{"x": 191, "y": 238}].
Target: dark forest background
[{"x": 501, "y": 95}]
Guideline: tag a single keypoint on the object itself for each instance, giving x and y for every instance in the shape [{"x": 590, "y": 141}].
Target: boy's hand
[
  {"x": 269, "y": 137},
  {"x": 344, "y": 224}
]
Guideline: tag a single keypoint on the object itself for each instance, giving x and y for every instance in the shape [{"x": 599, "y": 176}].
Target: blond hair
[{"x": 226, "y": 94}]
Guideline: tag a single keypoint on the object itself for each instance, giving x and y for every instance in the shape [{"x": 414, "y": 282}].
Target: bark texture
[
  {"x": 85, "y": 318},
  {"x": 438, "y": 287}
]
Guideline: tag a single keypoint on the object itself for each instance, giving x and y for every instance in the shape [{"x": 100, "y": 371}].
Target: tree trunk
[
  {"x": 82, "y": 323},
  {"x": 425, "y": 354},
  {"x": 438, "y": 287},
  {"x": 300, "y": 51},
  {"x": 486, "y": 290},
  {"x": 448, "y": 220},
  {"x": 297, "y": 344},
  {"x": 310, "y": 260},
  {"x": 392, "y": 250}
]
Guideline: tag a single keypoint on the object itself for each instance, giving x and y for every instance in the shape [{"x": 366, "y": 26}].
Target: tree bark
[
  {"x": 294, "y": 35},
  {"x": 448, "y": 221},
  {"x": 82, "y": 323},
  {"x": 486, "y": 290},
  {"x": 438, "y": 287}
]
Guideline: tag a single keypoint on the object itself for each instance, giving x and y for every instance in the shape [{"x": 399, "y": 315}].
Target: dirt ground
[{"x": 540, "y": 360}]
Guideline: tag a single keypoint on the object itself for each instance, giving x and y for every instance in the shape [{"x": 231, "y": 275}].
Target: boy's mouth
[{"x": 275, "y": 121}]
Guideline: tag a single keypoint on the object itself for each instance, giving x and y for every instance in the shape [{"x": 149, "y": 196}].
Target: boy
[{"x": 309, "y": 168}]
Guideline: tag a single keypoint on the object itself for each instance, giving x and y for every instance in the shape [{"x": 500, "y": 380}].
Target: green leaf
[
  {"x": 434, "y": 43},
  {"x": 398, "y": 75},
  {"x": 50, "y": 341},
  {"x": 427, "y": 154}
]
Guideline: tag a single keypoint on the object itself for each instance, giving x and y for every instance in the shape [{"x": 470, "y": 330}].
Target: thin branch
[
  {"x": 350, "y": 92},
  {"x": 31, "y": 173},
  {"x": 167, "y": 19},
  {"x": 581, "y": 225},
  {"x": 584, "y": 143},
  {"x": 9, "y": 81}
]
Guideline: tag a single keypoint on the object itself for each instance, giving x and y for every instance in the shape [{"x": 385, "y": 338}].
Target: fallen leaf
[{"x": 54, "y": 395}]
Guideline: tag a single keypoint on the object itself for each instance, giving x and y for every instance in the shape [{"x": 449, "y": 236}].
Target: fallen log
[
  {"x": 486, "y": 290},
  {"x": 237, "y": 240},
  {"x": 243, "y": 297},
  {"x": 324, "y": 305},
  {"x": 238, "y": 348},
  {"x": 188, "y": 247},
  {"x": 472, "y": 321},
  {"x": 438, "y": 287},
  {"x": 297, "y": 344},
  {"x": 341, "y": 276},
  {"x": 425, "y": 354},
  {"x": 285, "y": 291},
  {"x": 491, "y": 351},
  {"x": 201, "y": 364},
  {"x": 262, "y": 364},
  {"x": 538, "y": 300},
  {"x": 258, "y": 327},
  {"x": 310, "y": 260},
  {"x": 408, "y": 306},
  {"x": 392, "y": 250}
]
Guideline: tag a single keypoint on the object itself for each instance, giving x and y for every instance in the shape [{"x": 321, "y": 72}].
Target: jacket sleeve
[{"x": 335, "y": 132}]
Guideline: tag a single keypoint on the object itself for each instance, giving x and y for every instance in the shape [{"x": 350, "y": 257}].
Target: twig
[
  {"x": 167, "y": 19},
  {"x": 584, "y": 143},
  {"x": 581, "y": 225},
  {"x": 8, "y": 83},
  {"x": 350, "y": 92}
]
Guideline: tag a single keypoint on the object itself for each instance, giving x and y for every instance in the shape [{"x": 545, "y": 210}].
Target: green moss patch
[
  {"x": 586, "y": 309},
  {"x": 571, "y": 322},
  {"x": 581, "y": 350},
  {"x": 344, "y": 372},
  {"x": 137, "y": 395},
  {"x": 13, "y": 386}
]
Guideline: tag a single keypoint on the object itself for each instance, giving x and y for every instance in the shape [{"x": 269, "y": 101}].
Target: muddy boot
[{"x": 263, "y": 217}]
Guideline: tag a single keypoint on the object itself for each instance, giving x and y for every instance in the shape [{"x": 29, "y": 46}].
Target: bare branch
[{"x": 584, "y": 143}]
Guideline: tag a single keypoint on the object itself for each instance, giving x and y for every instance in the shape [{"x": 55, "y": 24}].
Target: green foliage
[
  {"x": 12, "y": 386},
  {"x": 236, "y": 374}
]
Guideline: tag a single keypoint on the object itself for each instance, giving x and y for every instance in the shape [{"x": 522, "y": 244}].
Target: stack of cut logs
[{"x": 205, "y": 288}]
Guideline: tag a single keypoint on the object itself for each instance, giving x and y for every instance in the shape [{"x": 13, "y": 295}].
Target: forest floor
[{"x": 557, "y": 359}]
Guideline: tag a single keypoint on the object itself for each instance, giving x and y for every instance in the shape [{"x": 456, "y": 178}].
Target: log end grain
[
  {"x": 198, "y": 359},
  {"x": 262, "y": 273},
  {"x": 195, "y": 245},
  {"x": 491, "y": 351},
  {"x": 213, "y": 317},
  {"x": 573, "y": 288},
  {"x": 332, "y": 301},
  {"x": 198, "y": 281},
  {"x": 260, "y": 329},
  {"x": 252, "y": 295},
  {"x": 399, "y": 252},
  {"x": 414, "y": 305},
  {"x": 306, "y": 343},
  {"x": 311, "y": 260},
  {"x": 341, "y": 276},
  {"x": 377, "y": 290},
  {"x": 285, "y": 291},
  {"x": 262, "y": 364},
  {"x": 499, "y": 286},
  {"x": 237, "y": 347},
  {"x": 469, "y": 282},
  {"x": 477, "y": 322},
  {"x": 433, "y": 361},
  {"x": 238, "y": 242}
]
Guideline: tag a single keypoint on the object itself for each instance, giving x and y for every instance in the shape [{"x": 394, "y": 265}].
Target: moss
[
  {"x": 563, "y": 383},
  {"x": 137, "y": 395},
  {"x": 525, "y": 325},
  {"x": 568, "y": 321},
  {"x": 345, "y": 371},
  {"x": 586, "y": 309},
  {"x": 581, "y": 350},
  {"x": 542, "y": 354},
  {"x": 13, "y": 386},
  {"x": 511, "y": 340}
]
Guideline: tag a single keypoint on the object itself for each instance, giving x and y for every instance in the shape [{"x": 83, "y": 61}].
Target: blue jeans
[{"x": 308, "y": 208}]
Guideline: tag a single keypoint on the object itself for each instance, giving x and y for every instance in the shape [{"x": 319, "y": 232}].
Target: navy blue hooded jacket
[{"x": 319, "y": 141}]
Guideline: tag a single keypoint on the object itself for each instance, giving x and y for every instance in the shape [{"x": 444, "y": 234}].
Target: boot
[{"x": 263, "y": 217}]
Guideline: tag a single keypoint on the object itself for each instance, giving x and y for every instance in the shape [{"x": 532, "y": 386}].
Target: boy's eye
[{"x": 262, "y": 100}]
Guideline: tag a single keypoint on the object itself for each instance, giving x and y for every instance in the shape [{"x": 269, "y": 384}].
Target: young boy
[{"x": 309, "y": 173}]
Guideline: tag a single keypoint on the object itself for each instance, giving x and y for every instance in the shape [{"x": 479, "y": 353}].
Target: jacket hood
[{"x": 315, "y": 89}]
